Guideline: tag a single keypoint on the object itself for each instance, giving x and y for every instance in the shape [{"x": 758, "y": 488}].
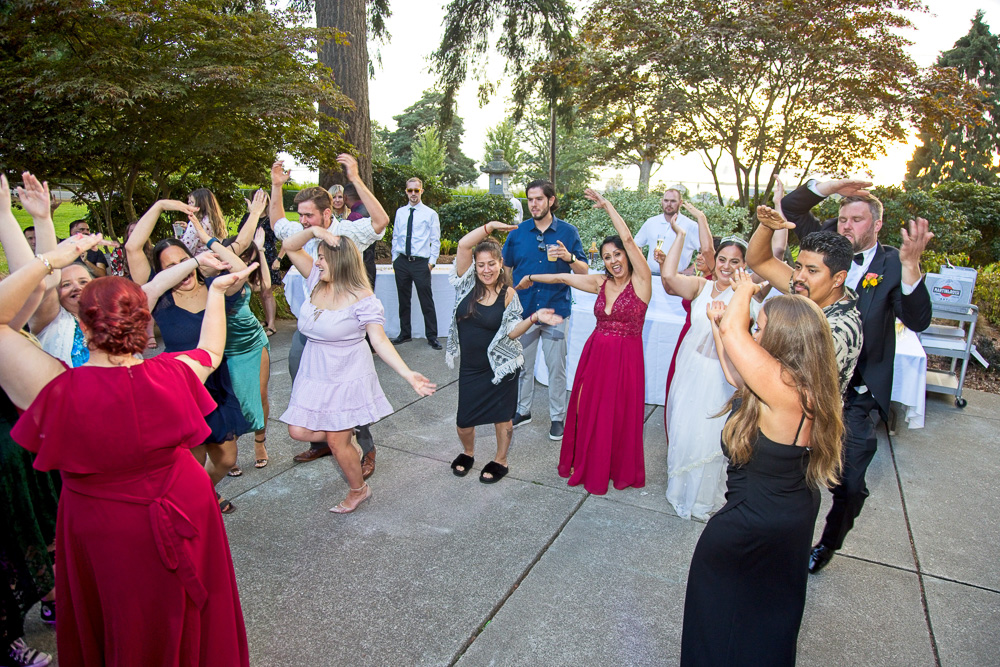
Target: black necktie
[
  {"x": 859, "y": 259},
  {"x": 409, "y": 231}
]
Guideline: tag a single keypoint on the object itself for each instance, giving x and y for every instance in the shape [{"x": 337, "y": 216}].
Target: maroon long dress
[
  {"x": 143, "y": 569},
  {"x": 603, "y": 436}
]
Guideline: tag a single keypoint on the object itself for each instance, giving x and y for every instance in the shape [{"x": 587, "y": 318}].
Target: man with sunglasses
[
  {"x": 416, "y": 243},
  {"x": 544, "y": 244}
]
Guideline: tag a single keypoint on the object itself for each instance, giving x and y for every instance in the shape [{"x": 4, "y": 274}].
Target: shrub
[
  {"x": 981, "y": 206},
  {"x": 987, "y": 293},
  {"x": 389, "y": 186},
  {"x": 464, "y": 214},
  {"x": 283, "y": 312}
]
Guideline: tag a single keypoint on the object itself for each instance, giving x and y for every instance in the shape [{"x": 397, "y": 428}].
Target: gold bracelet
[{"x": 48, "y": 265}]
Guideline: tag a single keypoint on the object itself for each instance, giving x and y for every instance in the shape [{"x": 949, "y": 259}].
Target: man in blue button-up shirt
[{"x": 527, "y": 251}]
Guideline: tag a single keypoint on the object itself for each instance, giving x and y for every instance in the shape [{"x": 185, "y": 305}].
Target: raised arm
[
  {"x": 265, "y": 272},
  {"x": 707, "y": 243},
  {"x": 760, "y": 257},
  {"x": 15, "y": 246},
  {"x": 170, "y": 277},
  {"x": 686, "y": 287},
  {"x": 138, "y": 263},
  {"x": 588, "y": 283},
  {"x": 380, "y": 219},
  {"x": 642, "y": 277},
  {"x": 464, "y": 258},
  {"x": 542, "y": 316},
  {"x": 26, "y": 368},
  {"x": 246, "y": 234},
  {"x": 293, "y": 248},
  {"x": 714, "y": 311},
  {"x": 276, "y": 210},
  {"x": 224, "y": 252},
  {"x": 35, "y": 199}
]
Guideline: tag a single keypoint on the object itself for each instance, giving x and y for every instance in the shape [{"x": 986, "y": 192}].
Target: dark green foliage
[
  {"x": 964, "y": 152},
  {"x": 981, "y": 206},
  {"x": 464, "y": 214},
  {"x": 577, "y": 150},
  {"x": 416, "y": 118},
  {"x": 389, "y": 186}
]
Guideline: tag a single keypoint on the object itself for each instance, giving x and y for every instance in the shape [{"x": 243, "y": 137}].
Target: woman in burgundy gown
[
  {"x": 603, "y": 437},
  {"x": 144, "y": 571}
]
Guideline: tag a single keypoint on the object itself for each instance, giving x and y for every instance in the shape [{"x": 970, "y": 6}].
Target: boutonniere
[{"x": 871, "y": 280}]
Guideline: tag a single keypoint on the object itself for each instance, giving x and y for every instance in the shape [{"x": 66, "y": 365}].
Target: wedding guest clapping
[
  {"x": 485, "y": 325},
  {"x": 143, "y": 568},
  {"x": 603, "y": 438},
  {"x": 336, "y": 387},
  {"x": 746, "y": 588}
]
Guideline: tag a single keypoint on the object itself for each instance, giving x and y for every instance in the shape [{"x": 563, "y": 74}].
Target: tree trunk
[
  {"x": 349, "y": 63},
  {"x": 645, "y": 170},
  {"x": 552, "y": 142}
]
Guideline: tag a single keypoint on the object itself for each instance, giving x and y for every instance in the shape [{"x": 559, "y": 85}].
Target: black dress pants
[
  {"x": 860, "y": 445},
  {"x": 409, "y": 273}
]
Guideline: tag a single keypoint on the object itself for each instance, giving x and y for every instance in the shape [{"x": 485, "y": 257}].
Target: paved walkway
[{"x": 438, "y": 570}]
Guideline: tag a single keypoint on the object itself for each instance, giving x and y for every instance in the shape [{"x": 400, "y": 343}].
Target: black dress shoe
[
  {"x": 400, "y": 339},
  {"x": 433, "y": 342},
  {"x": 820, "y": 556}
]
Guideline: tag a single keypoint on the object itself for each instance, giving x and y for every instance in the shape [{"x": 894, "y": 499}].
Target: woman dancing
[
  {"x": 143, "y": 567},
  {"x": 603, "y": 438},
  {"x": 696, "y": 483},
  {"x": 485, "y": 325},
  {"x": 336, "y": 387},
  {"x": 746, "y": 588}
]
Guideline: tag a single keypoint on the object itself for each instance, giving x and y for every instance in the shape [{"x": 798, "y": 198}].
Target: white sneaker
[{"x": 23, "y": 655}]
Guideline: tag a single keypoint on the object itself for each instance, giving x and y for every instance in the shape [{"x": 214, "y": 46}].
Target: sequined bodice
[{"x": 627, "y": 314}]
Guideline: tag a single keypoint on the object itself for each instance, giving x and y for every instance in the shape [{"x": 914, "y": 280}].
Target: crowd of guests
[{"x": 769, "y": 396}]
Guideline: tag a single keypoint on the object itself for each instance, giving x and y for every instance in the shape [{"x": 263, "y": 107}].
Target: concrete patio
[{"x": 440, "y": 570}]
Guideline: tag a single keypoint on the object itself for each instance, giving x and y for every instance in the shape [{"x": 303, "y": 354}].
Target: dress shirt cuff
[
  {"x": 284, "y": 228},
  {"x": 908, "y": 289},
  {"x": 811, "y": 184}
]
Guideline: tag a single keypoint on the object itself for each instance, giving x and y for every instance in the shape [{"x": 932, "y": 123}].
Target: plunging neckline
[{"x": 607, "y": 311}]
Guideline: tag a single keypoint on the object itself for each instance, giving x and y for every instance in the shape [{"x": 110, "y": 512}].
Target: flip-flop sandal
[
  {"x": 235, "y": 471},
  {"x": 493, "y": 468},
  {"x": 463, "y": 460}
]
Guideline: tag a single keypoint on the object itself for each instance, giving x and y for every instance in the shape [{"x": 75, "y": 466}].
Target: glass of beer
[{"x": 552, "y": 250}]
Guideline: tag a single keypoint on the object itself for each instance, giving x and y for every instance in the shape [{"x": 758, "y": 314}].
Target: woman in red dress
[
  {"x": 144, "y": 572},
  {"x": 603, "y": 438}
]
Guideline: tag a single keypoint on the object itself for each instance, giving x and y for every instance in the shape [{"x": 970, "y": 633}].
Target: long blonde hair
[
  {"x": 347, "y": 270},
  {"x": 798, "y": 336}
]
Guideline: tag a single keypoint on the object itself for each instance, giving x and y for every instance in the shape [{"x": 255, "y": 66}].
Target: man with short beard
[
  {"x": 658, "y": 227},
  {"x": 525, "y": 252},
  {"x": 889, "y": 285}
]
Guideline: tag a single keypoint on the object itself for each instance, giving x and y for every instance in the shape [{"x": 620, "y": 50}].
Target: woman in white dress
[{"x": 696, "y": 467}]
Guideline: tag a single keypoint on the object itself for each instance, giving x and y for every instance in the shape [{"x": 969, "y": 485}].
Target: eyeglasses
[
  {"x": 541, "y": 242},
  {"x": 412, "y": 190}
]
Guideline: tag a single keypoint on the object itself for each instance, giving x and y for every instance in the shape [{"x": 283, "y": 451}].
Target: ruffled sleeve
[{"x": 369, "y": 311}]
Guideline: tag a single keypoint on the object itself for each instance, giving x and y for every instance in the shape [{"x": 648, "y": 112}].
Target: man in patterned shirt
[{"x": 819, "y": 274}]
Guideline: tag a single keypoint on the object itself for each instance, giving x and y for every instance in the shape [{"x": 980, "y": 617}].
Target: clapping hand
[
  {"x": 548, "y": 316},
  {"x": 715, "y": 310},
  {"x": 224, "y": 282},
  {"x": 742, "y": 279},
  {"x": 210, "y": 260},
  {"x": 420, "y": 384},
  {"x": 773, "y": 219}
]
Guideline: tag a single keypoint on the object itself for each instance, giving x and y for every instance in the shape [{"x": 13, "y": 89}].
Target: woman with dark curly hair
[{"x": 144, "y": 571}]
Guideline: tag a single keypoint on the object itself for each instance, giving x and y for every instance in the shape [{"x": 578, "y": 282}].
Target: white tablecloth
[
  {"x": 444, "y": 301},
  {"x": 909, "y": 377}
]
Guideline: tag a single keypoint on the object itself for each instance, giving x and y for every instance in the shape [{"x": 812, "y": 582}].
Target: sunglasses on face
[{"x": 412, "y": 190}]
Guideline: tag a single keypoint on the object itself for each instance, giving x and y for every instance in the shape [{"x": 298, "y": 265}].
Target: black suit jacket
[{"x": 879, "y": 306}]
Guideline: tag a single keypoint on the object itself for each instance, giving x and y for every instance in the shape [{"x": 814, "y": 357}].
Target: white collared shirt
[
  {"x": 426, "y": 240},
  {"x": 657, "y": 227}
]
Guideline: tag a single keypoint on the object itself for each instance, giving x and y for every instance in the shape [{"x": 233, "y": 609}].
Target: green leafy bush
[
  {"x": 987, "y": 293},
  {"x": 389, "y": 186},
  {"x": 464, "y": 214},
  {"x": 981, "y": 206}
]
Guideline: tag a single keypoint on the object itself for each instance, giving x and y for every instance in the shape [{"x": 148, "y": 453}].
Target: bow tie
[{"x": 859, "y": 259}]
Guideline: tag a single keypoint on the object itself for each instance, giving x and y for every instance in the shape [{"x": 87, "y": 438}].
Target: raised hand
[
  {"x": 564, "y": 254},
  {"x": 350, "y": 166},
  {"x": 773, "y": 219},
  {"x": 258, "y": 238},
  {"x": 715, "y": 310},
  {"x": 70, "y": 250},
  {"x": 4, "y": 194},
  {"x": 279, "y": 175},
  {"x": 548, "y": 316},
  {"x": 420, "y": 384},
  {"x": 845, "y": 187},
  {"x": 203, "y": 236},
  {"x": 210, "y": 260},
  {"x": 693, "y": 210},
  {"x": 34, "y": 197},
  {"x": 497, "y": 226},
  {"x": 224, "y": 282},
  {"x": 743, "y": 280},
  {"x": 258, "y": 204},
  {"x": 596, "y": 197},
  {"x": 914, "y": 241}
]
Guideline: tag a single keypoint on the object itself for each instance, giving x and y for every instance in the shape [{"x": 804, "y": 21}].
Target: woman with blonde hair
[
  {"x": 340, "y": 208},
  {"x": 746, "y": 587},
  {"x": 336, "y": 387}
]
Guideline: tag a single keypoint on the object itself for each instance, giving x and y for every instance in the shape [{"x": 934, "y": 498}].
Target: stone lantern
[{"x": 499, "y": 172}]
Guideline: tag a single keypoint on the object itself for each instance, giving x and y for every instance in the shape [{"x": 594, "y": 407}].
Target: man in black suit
[{"x": 888, "y": 283}]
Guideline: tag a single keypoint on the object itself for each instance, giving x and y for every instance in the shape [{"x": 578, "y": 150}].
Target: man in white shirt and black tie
[{"x": 416, "y": 243}]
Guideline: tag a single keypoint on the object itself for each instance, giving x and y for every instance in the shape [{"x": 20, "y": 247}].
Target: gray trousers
[
  {"x": 555, "y": 359},
  {"x": 294, "y": 358}
]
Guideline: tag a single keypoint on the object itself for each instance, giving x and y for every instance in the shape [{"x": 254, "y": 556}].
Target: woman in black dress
[
  {"x": 746, "y": 587},
  {"x": 484, "y": 329}
]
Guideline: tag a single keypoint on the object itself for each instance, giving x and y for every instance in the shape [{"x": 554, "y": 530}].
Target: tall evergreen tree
[
  {"x": 412, "y": 123},
  {"x": 965, "y": 153}
]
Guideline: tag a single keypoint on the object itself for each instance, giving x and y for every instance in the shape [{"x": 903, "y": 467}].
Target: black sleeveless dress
[
  {"x": 479, "y": 400},
  {"x": 746, "y": 588}
]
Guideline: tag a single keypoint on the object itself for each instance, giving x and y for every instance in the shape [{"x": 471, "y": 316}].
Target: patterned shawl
[{"x": 505, "y": 355}]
